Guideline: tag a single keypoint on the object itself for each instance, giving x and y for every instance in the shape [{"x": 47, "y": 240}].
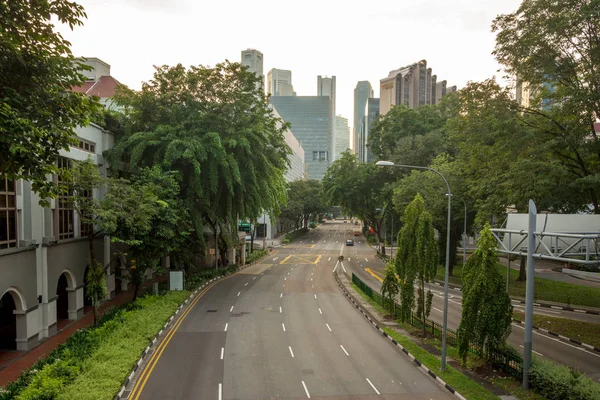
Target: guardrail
[{"x": 508, "y": 361}]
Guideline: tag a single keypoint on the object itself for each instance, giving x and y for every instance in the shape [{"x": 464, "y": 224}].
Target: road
[
  {"x": 280, "y": 329},
  {"x": 361, "y": 260}
]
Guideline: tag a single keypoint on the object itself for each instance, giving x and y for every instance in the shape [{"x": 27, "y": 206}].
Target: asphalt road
[
  {"x": 280, "y": 330},
  {"x": 361, "y": 260}
]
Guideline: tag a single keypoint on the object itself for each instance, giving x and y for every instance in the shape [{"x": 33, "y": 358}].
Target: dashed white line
[
  {"x": 329, "y": 259},
  {"x": 239, "y": 294},
  {"x": 220, "y": 391},
  {"x": 437, "y": 309},
  {"x": 328, "y": 327},
  {"x": 283, "y": 326},
  {"x": 222, "y": 352},
  {"x": 246, "y": 284},
  {"x": 348, "y": 258},
  {"x": 231, "y": 309},
  {"x": 320, "y": 312},
  {"x": 315, "y": 296},
  {"x": 226, "y": 325},
  {"x": 285, "y": 279},
  {"x": 281, "y": 295},
  {"x": 344, "y": 350},
  {"x": 254, "y": 278},
  {"x": 291, "y": 352},
  {"x": 305, "y": 389},
  {"x": 539, "y": 354},
  {"x": 366, "y": 259},
  {"x": 373, "y": 386},
  {"x": 280, "y": 311},
  {"x": 559, "y": 341}
]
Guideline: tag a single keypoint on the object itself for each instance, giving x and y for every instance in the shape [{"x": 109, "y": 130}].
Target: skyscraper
[
  {"x": 342, "y": 136},
  {"x": 362, "y": 92},
  {"x": 279, "y": 82},
  {"x": 371, "y": 112},
  {"x": 326, "y": 87},
  {"x": 253, "y": 59}
]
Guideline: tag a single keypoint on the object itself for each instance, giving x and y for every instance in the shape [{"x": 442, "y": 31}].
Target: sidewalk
[{"x": 12, "y": 363}]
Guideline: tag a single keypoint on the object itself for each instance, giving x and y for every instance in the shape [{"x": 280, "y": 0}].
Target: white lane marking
[
  {"x": 305, "y": 389},
  {"x": 291, "y": 352},
  {"x": 329, "y": 259},
  {"x": 226, "y": 325},
  {"x": 559, "y": 341},
  {"x": 246, "y": 284},
  {"x": 539, "y": 354},
  {"x": 311, "y": 279},
  {"x": 281, "y": 295},
  {"x": 348, "y": 258},
  {"x": 334, "y": 268},
  {"x": 292, "y": 268},
  {"x": 280, "y": 311},
  {"x": 328, "y": 327},
  {"x": 337, "y": 241},
  {"x": 366, "y": 259},
  {"x": 344, "y": 350},
  {"x": 320, "y": 312},
  {"x": 231, "y": 309},
  {"x": 315, "y": 296},
  {"x": 285, "y": 279},
  {"x": 373, "y": 386},
  {"x": 283, "y": 326},
  {"x": 437, "y": 309},
  {"x": 275, "y": 259},
  {"x": 222, "y": 352},
  {"x": 239, "y": 294},
  {"x": 220, "y": 391},
  {"x": 254, "y": 278},
  {"x": 288, "y": 273}
]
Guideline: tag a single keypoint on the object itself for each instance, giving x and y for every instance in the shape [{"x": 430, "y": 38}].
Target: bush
[
  {"x": 257, "y": 254},
  {"x": 293, "y": 235},
  {"x": 558, "y": 382}
]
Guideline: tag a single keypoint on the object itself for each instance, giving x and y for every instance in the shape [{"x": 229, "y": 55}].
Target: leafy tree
[
  {"x": 361, "y": 190},
  {"x": 417, "y": 259},
  {"x": 38, "y": 112},
  {"x": 304, "y": 199},
  {"x": 390, "y": 287},
  {"x": 554, "y": 48},
  {"x": 213, "y": 128},
  {"x": 487, "y": 310}
]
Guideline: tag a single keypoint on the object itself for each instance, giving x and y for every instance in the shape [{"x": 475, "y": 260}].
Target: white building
[
  {"x": 326, "y": 87},
  {"x": 279, "y": 82},
  {"x": 253, "y": 59},
  {"x": 342, "y": 136}
]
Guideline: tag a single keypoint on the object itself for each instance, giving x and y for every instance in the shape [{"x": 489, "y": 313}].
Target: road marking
[
  {"x": 292, "y": 268},
  {"x": 220, "y": 391},
  {"x": 222, "y": 352},
  {"x": 291, "y": 352},
  {"x": 306, "y": 390},
  {"x": 334, "y": 268},
  {"x": 320, "y": 312},
  {"x": 344, "y": 350},
  {"x": 226, "y": 325},
  {"x": 283, "y": 326},
  {"x": 231, "y": 309},
  {"x": 246, "y": 284},
  {"x": 280, "y": 310},
  {"x": 344, "y": 268},
  {"x": 275, "y": 259},
  {"x": 366, "y": 259},
  {"x": 254, "y": 278},
  {"x": 281, "y": 295},
  {"x": 348, "y": 258},
  {"x": 437, "y": 309},
  {"x": 373, "y": 386},
  {"x": 559, "y": 341},
  {"x": 337, "y": 241},
  {"x": 315, "y": 296},
  {"x": 311, "y": 279},
  {"x": 239, "y": 294},
  {"x": 288, "y": 273},
  {"x": 328, "y": 327},
  {"x": 285, "y": 279},
  {"x": 539, "y": 354},
  {"x": 329, "y": 259},
  {"x": 373, "y": 274}
]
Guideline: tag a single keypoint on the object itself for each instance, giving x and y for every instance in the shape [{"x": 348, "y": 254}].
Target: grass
[
  {"x": 461, "y": 383},
  {"x": 586, "y": 332},
  {"x": 545, "y": 289}
]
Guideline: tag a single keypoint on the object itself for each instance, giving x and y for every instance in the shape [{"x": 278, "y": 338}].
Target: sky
[{"x": 352, "y": 40}]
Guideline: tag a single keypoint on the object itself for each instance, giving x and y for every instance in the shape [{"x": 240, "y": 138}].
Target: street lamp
[{"x": 445, "y": 322}]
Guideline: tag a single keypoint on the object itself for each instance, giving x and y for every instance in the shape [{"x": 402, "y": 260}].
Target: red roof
[{"x": 103, "y": 87}]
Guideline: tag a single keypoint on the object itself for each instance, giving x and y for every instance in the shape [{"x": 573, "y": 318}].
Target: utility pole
[
  {"x": 529, "y": 294},
  {"x": 264, "y": 231}
]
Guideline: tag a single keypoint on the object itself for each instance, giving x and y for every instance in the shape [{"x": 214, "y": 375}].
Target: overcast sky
[{"x": 351, "y": 40}]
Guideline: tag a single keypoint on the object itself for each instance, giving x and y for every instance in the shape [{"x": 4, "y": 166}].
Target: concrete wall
[{"x": 18, "y": 271}]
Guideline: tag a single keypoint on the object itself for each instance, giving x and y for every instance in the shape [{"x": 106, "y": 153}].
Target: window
[
  {"x": 86, "y": 146},
  {"x": 322, "y": 156},
  {"x": 315, "y": 155},
  {"x": 64, "y": 209},
  {"x": 8, "y": 213}
]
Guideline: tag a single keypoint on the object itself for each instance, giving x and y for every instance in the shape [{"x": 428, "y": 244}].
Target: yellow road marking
[
  {"x": 373, "y": 274},
  {"x": 138, "y": 388},
  {"x": 318, "y": 259},
  {"x": 285, "y": 259}
]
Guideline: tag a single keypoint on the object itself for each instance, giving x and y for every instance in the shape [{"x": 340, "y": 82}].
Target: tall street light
[{"x": 445, "y": 322}]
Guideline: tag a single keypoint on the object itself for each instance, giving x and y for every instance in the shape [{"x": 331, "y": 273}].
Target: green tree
[
  {"x": 486, "y": 310},
  {"x": 304, "y": 199},
  {"x": 554, "y": 47},
  {"x": 361, "y": 189},
  {"x": 213, "y": 127},
  {"x": 417, "y": 259},
  {"x": 38, "y": 110},
  {"x": 390, "y": 287}
]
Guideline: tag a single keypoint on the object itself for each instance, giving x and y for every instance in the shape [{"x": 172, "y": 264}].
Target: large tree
[
  {"x": 38, "y": 110},
  {"x": 554, "y": 47},
  {"x": 487, "y": 309},
  {"x": 213, "y": 127},
  {"x": 417, "y": 259}
]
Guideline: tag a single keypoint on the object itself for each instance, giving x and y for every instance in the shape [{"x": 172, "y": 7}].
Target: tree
[
  {"x": 417, "y": 259},
  {"x": 487, "y": 309},
  {"x": 38, "y": 110},
  {"x": 390, "y": 287},
  {"x": 211, "y": 126},
  {"x": 361, "y": 190},
  {"x": 554, "y": 48}
]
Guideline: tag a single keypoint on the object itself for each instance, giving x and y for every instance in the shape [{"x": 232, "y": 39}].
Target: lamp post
[
  {"x": 465, "y": 237},
  {"x": 445, "y": 321}
]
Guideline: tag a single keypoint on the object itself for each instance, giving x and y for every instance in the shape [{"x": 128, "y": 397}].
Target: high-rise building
[
  {"x": 309, "y": 117},
  {"x": 253, "y": 59},
  {"x": 362, "y": 92},
  {"x": 413, "y": 85},
  {"x": 279, "y": 82},
  {"x": 326, "y": 87},
  {"x": 371, "y": 112},
  {"x": 342, "y": 136}
]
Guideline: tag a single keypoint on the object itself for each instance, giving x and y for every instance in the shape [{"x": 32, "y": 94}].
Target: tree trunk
[
  {"x": 422, "y": 301},
  {"x": 522, "y": 274},
  {"x": 95, "y": 301}
]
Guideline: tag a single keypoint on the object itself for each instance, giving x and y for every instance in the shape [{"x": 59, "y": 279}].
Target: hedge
[{"x": 558, "y": 382}]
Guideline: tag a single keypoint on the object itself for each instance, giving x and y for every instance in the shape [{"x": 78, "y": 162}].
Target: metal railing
[{"x": 508, "y": 361}]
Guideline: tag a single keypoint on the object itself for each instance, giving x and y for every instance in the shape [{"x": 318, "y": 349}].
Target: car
[
  {"x": 349, "y": 242},
  {"x": 356, "y": 233}
]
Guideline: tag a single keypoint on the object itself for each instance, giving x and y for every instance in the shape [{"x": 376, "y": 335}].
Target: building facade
[
  {"x": 326, "y": 86},
  {"x": 342, "y": 136},
  {"x": 362, "y": 92},
  {"x": 371, "y": 113},
  {"x": 309, "y": 117},
  {"x": 253, "y": 59},
  {"x": 279, "y": 82}
]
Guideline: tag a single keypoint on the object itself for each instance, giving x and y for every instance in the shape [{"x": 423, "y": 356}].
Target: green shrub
[
  {"x": 49, "y": 383},
  {"x": 257, "y": 254},
  {"x": 558, "y": 382}
]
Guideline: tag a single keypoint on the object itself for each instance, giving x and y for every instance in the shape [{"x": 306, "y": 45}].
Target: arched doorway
[
  {"x": 62, "y": 301},
  {"x": 8, "y": 322}
]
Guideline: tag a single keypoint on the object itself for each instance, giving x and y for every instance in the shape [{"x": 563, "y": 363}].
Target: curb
[
  {"x": 384, "y": 334},
  {"x": 564, "y": 338},
  {"x": 546, "y": 305}
]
